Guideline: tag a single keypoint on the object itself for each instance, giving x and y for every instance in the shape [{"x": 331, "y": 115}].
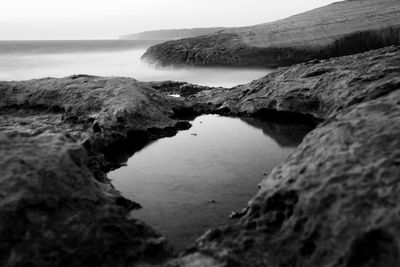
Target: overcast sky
[{"x": 106, "y": 19}]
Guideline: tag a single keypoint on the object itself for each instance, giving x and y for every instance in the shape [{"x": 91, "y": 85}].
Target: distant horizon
[
  {"x": 33, "y": 40},
  {"x": 45, "y": 20}
]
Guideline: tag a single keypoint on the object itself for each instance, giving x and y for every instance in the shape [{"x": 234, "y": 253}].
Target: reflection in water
[
  {"x": 119, "y": 152},
  {"x": 192, "y": 181},
  {"x": 285, "y": 134},
  {"x": 21, "y": 60}
]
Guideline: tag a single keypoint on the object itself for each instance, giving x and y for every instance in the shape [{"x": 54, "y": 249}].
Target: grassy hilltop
[{"x": 337, "y": 29}]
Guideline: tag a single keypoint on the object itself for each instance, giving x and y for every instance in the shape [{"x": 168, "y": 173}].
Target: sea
[{"x": 23, "y": 60}]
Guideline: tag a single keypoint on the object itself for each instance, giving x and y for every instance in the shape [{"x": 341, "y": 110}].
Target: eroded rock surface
[
  {"x": 53, "y": 212},
  {"x": 334, "y": 201},
  {"x": 95, "y": 104},
  {"x": 317, "y": 88},
  {"x": 183, "y": 89},
  {"x": 56, "y": 205}
]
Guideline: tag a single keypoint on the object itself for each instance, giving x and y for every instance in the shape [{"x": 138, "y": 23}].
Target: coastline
[
  {"x": 339, "y": 29},
  {"x": 57, "y": 133}
]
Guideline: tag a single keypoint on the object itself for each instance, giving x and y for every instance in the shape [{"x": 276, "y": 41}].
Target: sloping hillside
[
  {"x": 171, "y": 34},
  {"x": 337, "y": 29}
]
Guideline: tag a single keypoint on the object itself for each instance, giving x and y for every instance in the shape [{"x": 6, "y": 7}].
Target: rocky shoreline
[
  {"x": 338, "y": 29},
  {"x": 57, "y": 206},
  {"x": 333, "y": 202}
]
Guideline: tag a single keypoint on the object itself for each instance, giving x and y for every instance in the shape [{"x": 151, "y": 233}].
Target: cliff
[{"x": 338, "y": 29}]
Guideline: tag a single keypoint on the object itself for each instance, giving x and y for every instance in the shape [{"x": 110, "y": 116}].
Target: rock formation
[
  {"x": 315, "y": 89},
  {"x": 333, "y": 202},
  {"x": 338, "y": 29},
  {"x": 57, "y": 207},
  {"x": 54, "y": 213}
]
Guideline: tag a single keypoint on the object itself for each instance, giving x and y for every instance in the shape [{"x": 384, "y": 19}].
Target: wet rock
[
  {"x": 183, "y": 89},
  {"x": 57, "y": 208},
  {"x": 99, "y": 112},
  {"x": 334, "y": 201},
  {"x": 287, "y": 95},
  {"x": 238, "y": 214},
  {"x": 53, "y": 212}
]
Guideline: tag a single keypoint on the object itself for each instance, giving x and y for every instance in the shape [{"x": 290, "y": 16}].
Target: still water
[
  {"x": 192, "y": 182},
  {"x": 21, "y": 60}
]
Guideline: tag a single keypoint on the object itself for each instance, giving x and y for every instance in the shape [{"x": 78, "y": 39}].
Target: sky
[{"x": 107, "y": 19}]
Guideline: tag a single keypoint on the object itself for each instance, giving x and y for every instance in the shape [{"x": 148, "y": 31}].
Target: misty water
[
  {"x": 22, "y": 60},
  {"x": 193, "y": 181}
]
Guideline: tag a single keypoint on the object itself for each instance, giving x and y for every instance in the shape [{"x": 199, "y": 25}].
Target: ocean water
[
  {"x": 22, "y": 60},
  {"x": 193, "y": 181}
]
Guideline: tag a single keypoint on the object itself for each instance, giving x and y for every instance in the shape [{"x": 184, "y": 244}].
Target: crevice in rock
[{"x": 316, "y": 73}]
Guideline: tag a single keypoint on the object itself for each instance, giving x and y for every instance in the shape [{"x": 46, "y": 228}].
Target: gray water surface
[
  {"x": 22, "y": 60},
  {"x": 192, "y": 182}
]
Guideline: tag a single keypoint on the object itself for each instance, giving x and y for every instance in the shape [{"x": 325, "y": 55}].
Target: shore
[
  {"x": 338, "y": 29},
  {"x": 333, "y": 198}
]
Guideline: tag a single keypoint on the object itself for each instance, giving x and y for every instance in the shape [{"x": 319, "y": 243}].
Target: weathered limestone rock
[
  {"x": 94, "y": 103},
  {"x": 316, "y": 88},
  {"x": 56, "y": 205},
  {"x": 54, "y": 213},
  {"x": 99, "y": 112},
  {"x": 334, "y": 201},
  {"x": 183, "y": 89}
]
